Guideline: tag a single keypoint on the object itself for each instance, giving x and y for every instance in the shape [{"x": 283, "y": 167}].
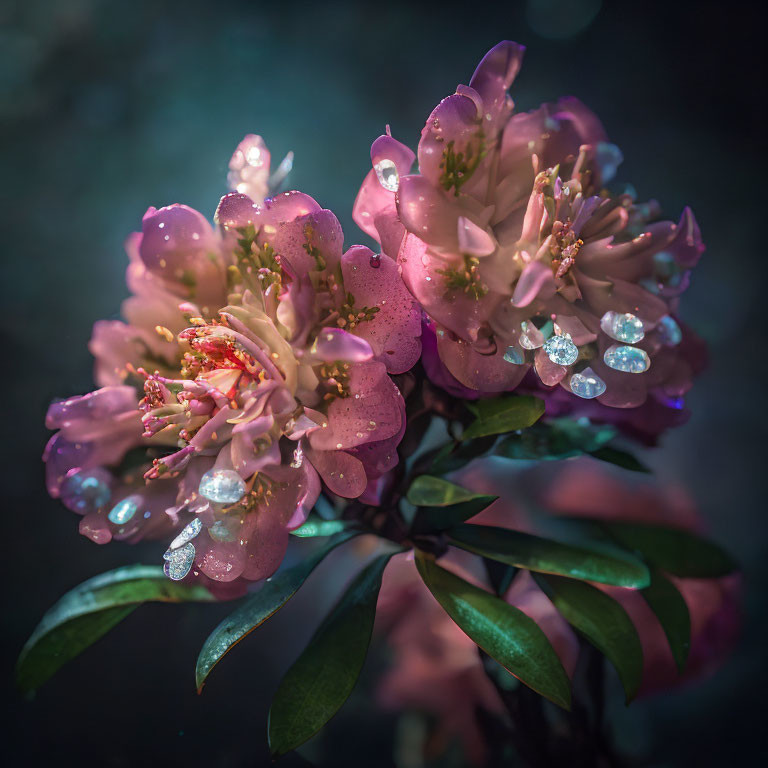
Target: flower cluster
[
  {"x": 255, "y": 363},
  {"x": 524, "y": 261},
  {"x": 259, "y": 365}
]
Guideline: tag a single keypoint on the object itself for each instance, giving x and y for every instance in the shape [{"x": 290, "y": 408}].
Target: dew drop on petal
[
  {"x": 561, "y": 350},
  {"x": 627, "y": 359},
  {"x": 587, "y": 384},
  {"x": 375, "y": 260},
  {"x": 86, "y": 490},
  {"x": 623, "y": 326},
  {"x": 224, "y": 486},
  {"x": 124, "y": 510},
  {"x": 178, "y": 562},
  {"x": 514, "y": 355},
  {"x": 531, "y": 337},
  {"x": 386, "y": 172},
  {"x": 669, "y": 331},
  {"x": 187, "y": 534}
]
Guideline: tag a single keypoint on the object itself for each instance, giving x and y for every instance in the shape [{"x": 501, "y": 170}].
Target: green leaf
[
  {"x": 555, "y": 439},
  {"x": 315, "y": 526},
  {"x": 435, "y": 519},
  {"x": 606, "y": 625},
  {"x": 671, "y": 610},
  {"x": 507, "y": 413},
  {"x": 322, "y": 678},
  {"x": 674, "y": 550},
  {"x": 504, "y": 632},
  {"x": 255, "y": 610},
  {"x": 620, "y": 458},
  {"x": 534, "y": 553},
  {"x": 453, "y": 456},
  {"x": 428, "y": 491},
  {"x": 89, "y": 611}
]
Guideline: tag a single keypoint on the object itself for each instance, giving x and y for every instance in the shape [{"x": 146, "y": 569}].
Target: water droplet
[
  {"x": 514, "y": 355},
  {"x": 375, "y": 260},
  {"x": 124, "y": 510},
  {"x": 188, "y": 533},
  {"x": 298, "y": 458},
  {"x": 386, "y": 172},
  {"x": 531, "y": 337},
  {"x": 561, "y": 350},
  {"x": 623, "y": 326},
  {"x": 178, "y": 562},
  {"x": 224, "y": 486},
  {"x": 219, "y": 532},
  {"x": 669, "y": 331},
  {"x": 587, "y": 384},
  {"x": 86, "y": 490},
  {"x": 627, "y": 359}
]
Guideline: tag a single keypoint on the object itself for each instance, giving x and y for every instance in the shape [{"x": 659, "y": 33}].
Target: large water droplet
[
  {"x": 220, "y": 532},
  {"x": 623, "y": 326},
  {"x": 531, "y": 337},
  {"x": 514, "y": 355},
  {"x": 669, "y": 331},
  {"x": 561, "y": 350},
  {"x": 178, "y": 562},
  {"x": 224, "y": 486},
  {"x": 587, "y": 384},
  {"x": 188, "y": 533},
  {"x": 375, "y": 260},
  {"x": 386, "y": 172},
  {"x": 124, "y": 510},
  {"x": 627, "y": 359},
  {"x": 86, "y": 490}
]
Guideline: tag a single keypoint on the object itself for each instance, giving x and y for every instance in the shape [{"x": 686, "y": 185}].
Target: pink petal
[
  {"x": 336, "y": 344},
  {"x": 394, "y": 330},
  {"x": 342, "y": 473}
]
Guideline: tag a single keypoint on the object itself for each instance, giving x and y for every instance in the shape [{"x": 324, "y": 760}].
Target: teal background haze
[{"x": 107, "y": 108}]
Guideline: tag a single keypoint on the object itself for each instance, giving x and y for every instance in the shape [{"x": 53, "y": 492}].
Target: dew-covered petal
[
  {"x": 455, "y": 126},
  {"x": 394, "y": 330},
  {"x": 481, "y": 372},
  {"x": 342, "y": 473},
  {"x": 371, "y": 412},
  {"x": 236, "y": 210},
  {"x": 494, "y": 75}
]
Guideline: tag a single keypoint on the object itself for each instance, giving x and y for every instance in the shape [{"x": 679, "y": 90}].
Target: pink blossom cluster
[
  {"x": 254, "y": 368},
  {"x": 533, "y": 274}
]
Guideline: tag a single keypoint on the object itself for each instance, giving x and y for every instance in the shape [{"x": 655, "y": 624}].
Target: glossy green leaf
[
  {"x": 89, "y": 611},
  {"x": 504, "y": 632},
  {"x": 534, "y": 553},
  {"x": 255, "y": 610},
  {"x": 620, "y": 458},
  {"x": 453, "y": 456},
  {"x": 603, "y": 621},
  {"x": 671, "y": 610},
  {"x": 681, "y": 553},
  {"x": 322, "y": 678},
  {"x": 315, "y": 526},
  {"x": 555, "y": 439},
  {"x": 435, "y": 519},
  {"x": 428, "y": 491},
  {"x": 508, "y": 413}
]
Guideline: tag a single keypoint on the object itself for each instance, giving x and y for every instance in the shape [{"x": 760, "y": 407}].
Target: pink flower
[
  {"x": 521, "y": 257},
  {"x": 254, "y": 366}
]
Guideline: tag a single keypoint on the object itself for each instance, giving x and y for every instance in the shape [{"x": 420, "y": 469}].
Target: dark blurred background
[{"x": 109, "y": 107}]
